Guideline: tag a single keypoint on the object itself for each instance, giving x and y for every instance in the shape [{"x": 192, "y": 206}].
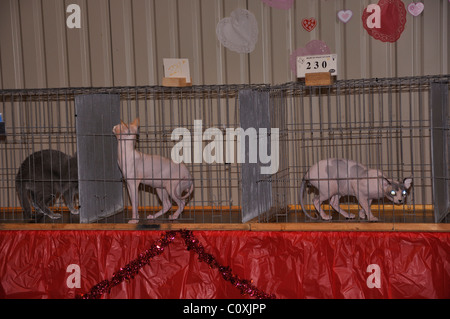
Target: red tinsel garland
[{"x": 130, "y": 270}]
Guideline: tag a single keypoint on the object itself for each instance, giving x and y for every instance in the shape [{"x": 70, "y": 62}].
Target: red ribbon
[{"x": 130, "y": 270}]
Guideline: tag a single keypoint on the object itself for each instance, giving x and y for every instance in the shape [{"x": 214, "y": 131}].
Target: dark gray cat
[{"x": 43, "y": 177}]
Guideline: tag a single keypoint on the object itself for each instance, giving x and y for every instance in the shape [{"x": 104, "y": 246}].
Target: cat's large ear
[
  {"x": 134, "y": 126},
  {"x": 121, "y": 128},
  {"x": 407, "y": 182},
  {"x": 386, "y": 182},
  {"x": 135, "y": 122}
]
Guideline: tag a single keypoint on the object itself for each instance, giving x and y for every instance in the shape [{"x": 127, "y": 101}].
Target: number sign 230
[{"x": 316, "y": 63}]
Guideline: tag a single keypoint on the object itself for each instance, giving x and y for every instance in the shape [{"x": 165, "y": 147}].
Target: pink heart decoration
[
  {"x": 345, "y": 16},
  {"x": 309, "y": 24},
  {"x": 415, "y": 8}
]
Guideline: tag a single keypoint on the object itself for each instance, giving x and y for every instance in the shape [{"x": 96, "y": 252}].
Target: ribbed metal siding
[{"x": 123, "y": 42}]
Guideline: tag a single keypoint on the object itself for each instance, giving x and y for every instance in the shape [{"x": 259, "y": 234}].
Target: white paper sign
[
  {"x": 316, "y": 63},
  {"x": 177, "y": 68}
]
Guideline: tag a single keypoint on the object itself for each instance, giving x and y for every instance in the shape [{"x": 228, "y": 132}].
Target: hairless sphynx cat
[{"x": 334, "y": 178}]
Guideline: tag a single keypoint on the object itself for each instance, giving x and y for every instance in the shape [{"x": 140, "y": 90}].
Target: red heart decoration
[
  {"x": 309, "y": 24},
  {"x": 392, "y": 18}
]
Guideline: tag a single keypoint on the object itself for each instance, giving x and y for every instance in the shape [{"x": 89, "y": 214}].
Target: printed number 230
[{"x": 316, "y": 65}]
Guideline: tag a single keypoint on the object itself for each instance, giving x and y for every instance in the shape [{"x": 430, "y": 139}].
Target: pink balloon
[{"x": 313, "y": 47}]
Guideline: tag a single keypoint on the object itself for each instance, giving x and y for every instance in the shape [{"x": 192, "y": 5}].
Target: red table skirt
[{"x": 63, "y": 264}]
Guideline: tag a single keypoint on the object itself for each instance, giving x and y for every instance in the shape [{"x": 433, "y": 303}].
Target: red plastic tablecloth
[{"x": 43, "y": 264}]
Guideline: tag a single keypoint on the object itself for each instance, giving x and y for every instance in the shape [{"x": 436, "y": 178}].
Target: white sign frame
[{"x": 316, "y": 64}]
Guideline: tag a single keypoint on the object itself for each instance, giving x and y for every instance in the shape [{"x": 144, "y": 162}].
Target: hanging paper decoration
[
  {"x": 313, "y": 47},
  {"x": 309, "y": 24},
  {"x": 345, "y": 15},
  {"x": 239, "y": 31},
  {"x": 415, "y": 8},
  {"x": 279, "y": 4},
  {"x": 385, "y": 21}
]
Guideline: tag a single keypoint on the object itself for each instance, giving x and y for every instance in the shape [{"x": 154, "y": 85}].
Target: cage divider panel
[
  {"x": 440, "y": 149},
  {"x": 256, "y": 188},
  {"x": 100, "y": 180}
]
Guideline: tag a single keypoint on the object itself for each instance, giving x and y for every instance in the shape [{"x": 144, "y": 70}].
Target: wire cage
[
  {"x": 399, "y": 126},
  {"x": 45, "y": 119}
]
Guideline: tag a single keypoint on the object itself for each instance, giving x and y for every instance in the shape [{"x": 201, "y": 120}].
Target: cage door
[{"x": 100, "y": 180}]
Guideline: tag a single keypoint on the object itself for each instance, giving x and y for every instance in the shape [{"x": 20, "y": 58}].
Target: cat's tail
[
  {"x": 23, "y": 195},
  {"x": 302, "y": 190},
  {"x": 189, "y": 191}
]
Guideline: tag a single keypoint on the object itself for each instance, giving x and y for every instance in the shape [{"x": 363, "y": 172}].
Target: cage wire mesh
[{"x": 384, "y": 124}]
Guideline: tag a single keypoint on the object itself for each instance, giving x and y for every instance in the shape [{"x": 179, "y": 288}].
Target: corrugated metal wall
[{"x": 123, "y": 42}]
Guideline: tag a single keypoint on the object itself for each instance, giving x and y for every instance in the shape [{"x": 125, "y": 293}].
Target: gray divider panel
[
  {"x": 256, "y": 194},
  {"x": 440, "y": 149},
  {"x": 100, "y": 179}
]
